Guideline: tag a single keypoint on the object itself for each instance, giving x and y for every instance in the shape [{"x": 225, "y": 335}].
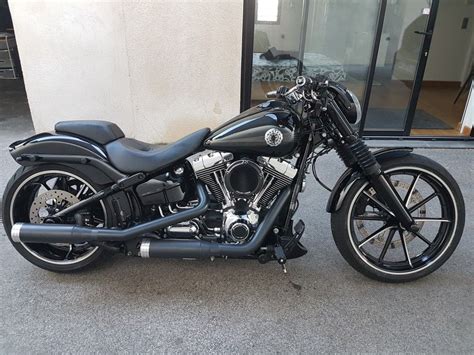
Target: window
[{"x": 268, "y": 11}]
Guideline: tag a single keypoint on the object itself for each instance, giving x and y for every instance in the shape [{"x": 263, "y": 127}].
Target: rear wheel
[
  {"x": 34, "y": 195},
  {"x": 371, "y": 239}
]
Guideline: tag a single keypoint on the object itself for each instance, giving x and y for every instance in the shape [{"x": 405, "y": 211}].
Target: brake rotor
[
  {"x": 380, "y": 240},
  {"x": 49, "y": 203}
]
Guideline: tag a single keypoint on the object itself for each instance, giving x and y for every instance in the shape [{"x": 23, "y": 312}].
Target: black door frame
[
  {"x": 247, "y": 54},
  {"x": 417, "y": 82},
  {"x": 247, "y": 59}
]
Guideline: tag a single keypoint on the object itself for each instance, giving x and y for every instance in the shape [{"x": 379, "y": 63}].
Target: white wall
[
  {"x": 160, "y": 69},
  {"x": 450, "y": 47}
]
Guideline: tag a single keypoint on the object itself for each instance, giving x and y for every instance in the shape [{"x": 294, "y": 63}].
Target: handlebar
[{"x": 305, "y": 87}]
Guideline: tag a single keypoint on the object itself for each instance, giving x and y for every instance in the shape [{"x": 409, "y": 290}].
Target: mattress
[{"x": 287, "y": 69}]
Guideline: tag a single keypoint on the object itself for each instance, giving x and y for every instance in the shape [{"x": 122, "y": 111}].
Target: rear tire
[
  {"x": 14, "y": 203},
  {"x": 357, "y": 251}
]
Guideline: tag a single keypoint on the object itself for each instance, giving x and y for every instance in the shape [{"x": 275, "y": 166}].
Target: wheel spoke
[
  {"x": 423, "y": 238},
  {"x": 405, "y": 248},
  {"x": 386, "y": 245},
  {"x": 424, "y": 202},
  {"x": 379, "y": 204},
  {"x": 45, "y": 185},
  {"x": 410, "y": 190},
  {"x": 368, "y": 217},
  {"x": 426, "y": 219},
  {"x": 374, "y": 235}
]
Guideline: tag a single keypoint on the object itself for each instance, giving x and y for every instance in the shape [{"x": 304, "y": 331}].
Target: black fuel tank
[{"x": 269, "y": 129}]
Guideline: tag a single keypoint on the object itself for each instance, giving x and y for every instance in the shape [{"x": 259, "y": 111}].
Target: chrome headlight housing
[
  {"x": 358, "y": 107},
  {"x": 347, "y": 101}
]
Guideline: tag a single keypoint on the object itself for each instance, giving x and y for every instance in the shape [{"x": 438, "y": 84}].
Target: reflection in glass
[
  {"x": 397, "y": 64},
  {"x": 276, "y": 47},
  {"x": 315, "y": 44},
  {"x": 339, "y": 41}
]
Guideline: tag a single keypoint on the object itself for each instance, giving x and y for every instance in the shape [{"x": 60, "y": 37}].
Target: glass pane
[
  {"x": 397, "y": 64},
  {"x": 276, "y": 46},
  {"x": 339, "y": 41},
  {"x": 440, "y": 110}
]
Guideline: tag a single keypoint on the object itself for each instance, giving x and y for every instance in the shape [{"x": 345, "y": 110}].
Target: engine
[{"x": 243, "y": 187}]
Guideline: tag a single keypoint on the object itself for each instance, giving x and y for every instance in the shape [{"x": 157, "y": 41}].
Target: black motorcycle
[{"x": 233, "y": 192}]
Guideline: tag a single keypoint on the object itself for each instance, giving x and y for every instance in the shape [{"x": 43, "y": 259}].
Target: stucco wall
[{"x": 160, "y": 69}]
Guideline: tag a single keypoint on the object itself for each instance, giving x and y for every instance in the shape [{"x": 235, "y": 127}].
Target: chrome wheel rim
[
  {"x": 429, "y": 248},
  {"x": 41, "y": 183}
]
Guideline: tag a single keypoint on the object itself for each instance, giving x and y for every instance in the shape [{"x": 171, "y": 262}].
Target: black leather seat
[
  {"x": 131, "y": 156},
  {"x": 102, "y": 132}
]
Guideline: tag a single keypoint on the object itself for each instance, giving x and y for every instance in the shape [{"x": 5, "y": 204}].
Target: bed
[{"x": 287, "y": 69}]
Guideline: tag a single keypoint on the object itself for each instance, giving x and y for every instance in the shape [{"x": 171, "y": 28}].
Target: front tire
[
  {"x": 371, "y": 240},
  {"x": 28, "y": 197}
]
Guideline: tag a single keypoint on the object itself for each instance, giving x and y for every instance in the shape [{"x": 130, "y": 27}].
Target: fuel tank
[{"x": 269, "y": 129}]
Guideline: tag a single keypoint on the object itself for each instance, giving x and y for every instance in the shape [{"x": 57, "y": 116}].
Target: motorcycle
[{"x": 86, "y": 189}]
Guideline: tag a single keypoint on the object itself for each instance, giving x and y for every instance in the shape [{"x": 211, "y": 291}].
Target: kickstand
[{"x": 281, "y": 257}]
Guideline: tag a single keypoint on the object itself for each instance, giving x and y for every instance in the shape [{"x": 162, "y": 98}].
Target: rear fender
[
  {"x": 75, "y": 152},
  {"x": 351, "y": 175}
]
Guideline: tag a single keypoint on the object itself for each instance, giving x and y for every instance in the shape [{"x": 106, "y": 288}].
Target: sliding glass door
[
  {"x": 401, "y": 60},
  {"x": 377, "y": 48}
]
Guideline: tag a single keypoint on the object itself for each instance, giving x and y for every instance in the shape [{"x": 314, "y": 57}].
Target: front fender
[
  {"x": 66, "y": 150},
  {"x": 351, "y": 175}
]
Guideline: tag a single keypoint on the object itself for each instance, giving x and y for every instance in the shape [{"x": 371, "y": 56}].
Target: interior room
[{"x": 422, "y": 72}]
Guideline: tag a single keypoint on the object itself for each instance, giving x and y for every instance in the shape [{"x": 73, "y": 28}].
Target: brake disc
[
  {"x": 49, "y": 203},
  {"x": 380, "y": 240}
]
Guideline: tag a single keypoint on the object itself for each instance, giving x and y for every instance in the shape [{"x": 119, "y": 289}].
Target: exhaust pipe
[
  {"x": 197, "y": 249},
  {"x": 62, "y": 233},
  {"x": 51, "y": 233}
]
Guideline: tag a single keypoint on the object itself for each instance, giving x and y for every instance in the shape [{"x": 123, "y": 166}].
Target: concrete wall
[{"x": 160, "y": 69}]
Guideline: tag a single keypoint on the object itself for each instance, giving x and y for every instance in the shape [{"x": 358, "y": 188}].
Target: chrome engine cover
[{"x": 243, "y": 187}]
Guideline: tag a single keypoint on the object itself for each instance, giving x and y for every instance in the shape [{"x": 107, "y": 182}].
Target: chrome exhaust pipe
[
  {"x": 199, "y": 249},
  {"x": 63, "y": 233}
]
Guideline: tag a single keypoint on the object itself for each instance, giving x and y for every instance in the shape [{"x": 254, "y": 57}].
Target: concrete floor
[{"x": 322, "y": 305}]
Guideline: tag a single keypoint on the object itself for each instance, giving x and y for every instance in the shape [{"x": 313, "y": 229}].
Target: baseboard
[
  {"x": 435, "y": 84},
  {"x": 441, "y": 84}
]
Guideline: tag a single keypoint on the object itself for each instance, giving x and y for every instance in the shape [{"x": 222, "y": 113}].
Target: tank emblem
[{"x": 273, "y": 137}]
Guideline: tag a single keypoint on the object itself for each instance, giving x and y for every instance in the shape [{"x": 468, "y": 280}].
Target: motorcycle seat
[
  {"x": 129, "y": 155},
  {"x": 102, "y": 132}
]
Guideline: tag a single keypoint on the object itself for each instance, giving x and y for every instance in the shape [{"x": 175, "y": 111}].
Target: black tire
[
  {"x": 346, "y": 240},
  {"x": 21, "y": 175}
]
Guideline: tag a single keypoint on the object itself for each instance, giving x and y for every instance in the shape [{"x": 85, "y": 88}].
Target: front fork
[
  {"x": 354, "y": 152},
  {"x": 381, "y": 184}
]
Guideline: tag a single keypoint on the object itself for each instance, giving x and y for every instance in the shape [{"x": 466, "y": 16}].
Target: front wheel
[{"x": 373, "y": 242}]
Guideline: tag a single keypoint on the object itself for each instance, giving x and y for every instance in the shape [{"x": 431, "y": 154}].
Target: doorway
[
  {"x": 449, "y": 70},
  {"x": 15, "y": 116}
]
